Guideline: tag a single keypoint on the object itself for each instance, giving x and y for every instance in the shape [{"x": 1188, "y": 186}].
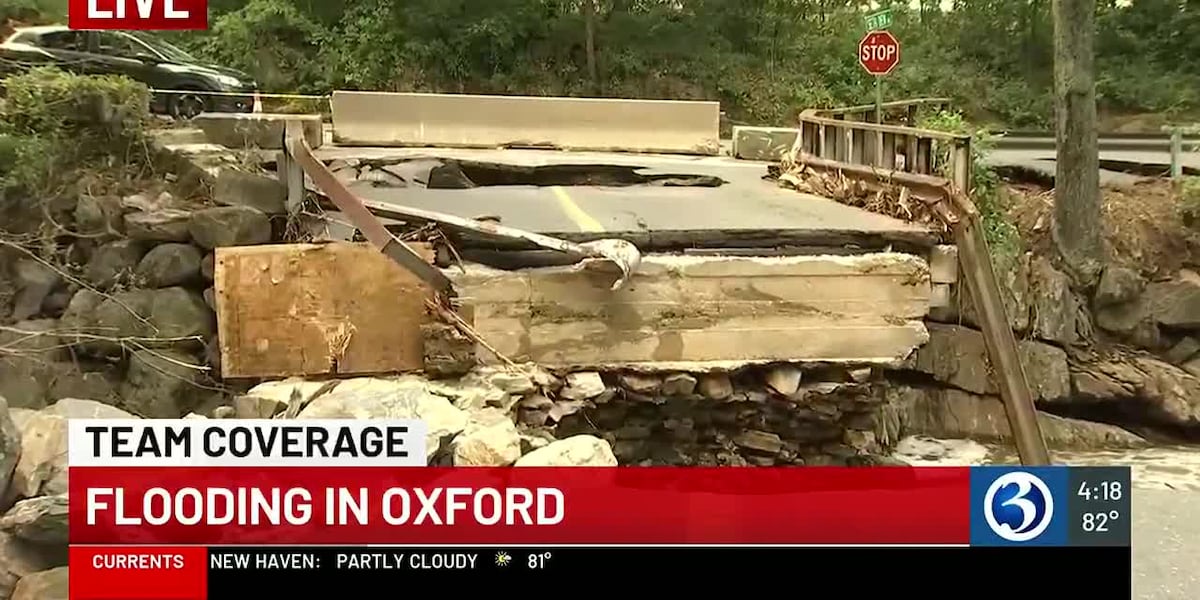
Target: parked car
[{"x": 189, "y": 82}]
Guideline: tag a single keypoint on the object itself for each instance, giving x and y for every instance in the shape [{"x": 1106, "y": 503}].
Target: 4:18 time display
[{"x": 1104, "y": 491}]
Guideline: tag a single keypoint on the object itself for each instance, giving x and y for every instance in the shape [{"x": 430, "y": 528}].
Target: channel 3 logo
[{"x": 1017, "y": 506}]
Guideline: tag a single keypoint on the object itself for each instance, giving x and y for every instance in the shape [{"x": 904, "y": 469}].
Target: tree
[
  {"x": 1077, "y": 179},
  {"x": 589, "y": 19}
]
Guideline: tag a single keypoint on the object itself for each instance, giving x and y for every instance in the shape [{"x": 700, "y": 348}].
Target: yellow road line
[{"x": 576, "y": 214}]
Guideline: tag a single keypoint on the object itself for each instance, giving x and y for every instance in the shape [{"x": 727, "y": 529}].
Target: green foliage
[
  {"x": 764, "y": 60},
  {"x": 270, "y": 39},
  {"x": 1189, "y": 201},
  {"x": 53, "y": 122},
  {"x": 1003, "y": 238}
]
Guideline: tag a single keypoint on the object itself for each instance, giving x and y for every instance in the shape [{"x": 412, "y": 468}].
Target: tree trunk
[
  {"x": 589, "y": 20},
  {"x": 1077, "y": 222}
]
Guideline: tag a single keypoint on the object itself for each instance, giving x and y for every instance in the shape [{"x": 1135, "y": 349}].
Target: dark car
[{"x": 183, "y": 85}]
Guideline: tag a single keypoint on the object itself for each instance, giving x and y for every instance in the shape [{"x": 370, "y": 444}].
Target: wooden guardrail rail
[
  {"x": 898, "y": 112},
  {"x": 886, "y": 147}
]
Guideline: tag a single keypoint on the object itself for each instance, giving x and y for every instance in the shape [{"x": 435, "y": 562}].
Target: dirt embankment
[{"x": 1144, "y": 225}]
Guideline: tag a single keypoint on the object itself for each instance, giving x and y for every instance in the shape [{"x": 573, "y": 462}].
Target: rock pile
[
  {"x": 129, "y": 320},
  {"x": 529, "y": 416},
  {"x": 33, "y": 474},
  {"x": 1126, "y": 353}
]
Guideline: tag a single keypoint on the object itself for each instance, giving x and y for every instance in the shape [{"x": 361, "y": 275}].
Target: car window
[
  {"x": 115, "y": 44},
  {"x": 64, "y": 40}
]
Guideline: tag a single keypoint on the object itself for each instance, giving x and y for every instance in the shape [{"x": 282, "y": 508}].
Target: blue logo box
[{"x": 1019, "y": 506}]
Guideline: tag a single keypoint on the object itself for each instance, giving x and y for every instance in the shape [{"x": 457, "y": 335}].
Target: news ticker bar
[
  {"x": 230, "y": 571},
  {"x": 1054, "y": 506}
]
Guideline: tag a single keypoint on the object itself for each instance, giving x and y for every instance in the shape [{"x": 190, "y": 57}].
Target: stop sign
[{"x": 879, "y": 52}]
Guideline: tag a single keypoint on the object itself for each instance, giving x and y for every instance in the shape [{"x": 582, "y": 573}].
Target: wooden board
[{"x": 317, "y": 309}]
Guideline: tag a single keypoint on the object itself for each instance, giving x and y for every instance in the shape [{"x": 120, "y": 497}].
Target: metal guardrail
[{"x": 888, "y": 148}]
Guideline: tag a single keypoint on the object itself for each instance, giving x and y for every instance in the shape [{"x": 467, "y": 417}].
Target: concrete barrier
[
  {"x": 763, "y": 143},
  {"x": 460, "y": 120}
]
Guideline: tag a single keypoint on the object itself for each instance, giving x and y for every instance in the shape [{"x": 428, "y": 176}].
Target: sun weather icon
[
  {"x": 503, "y": 559},
  {"x": 1018, "y": 506}
]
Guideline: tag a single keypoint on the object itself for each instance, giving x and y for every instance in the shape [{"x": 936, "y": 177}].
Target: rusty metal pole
[{"x": 1002, "y": 347}]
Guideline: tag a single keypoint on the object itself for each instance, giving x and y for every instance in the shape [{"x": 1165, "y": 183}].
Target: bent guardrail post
[
  {"x": 353, "y": 208},
  {"x": 362, "y": 214},
  {"x": 954, "y": 208}
]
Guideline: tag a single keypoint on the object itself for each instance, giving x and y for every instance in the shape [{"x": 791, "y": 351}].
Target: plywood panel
[{"x": 313, "y": 309}]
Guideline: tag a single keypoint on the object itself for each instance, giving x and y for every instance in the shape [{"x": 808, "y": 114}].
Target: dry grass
[{"x": 1144, "y": 227}]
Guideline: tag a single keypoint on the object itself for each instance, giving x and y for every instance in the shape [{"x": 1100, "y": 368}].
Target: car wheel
[{"x": 186, "y": 106}]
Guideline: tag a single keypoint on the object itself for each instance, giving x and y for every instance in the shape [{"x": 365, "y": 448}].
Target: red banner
[
  {"x": 132, "y": 573},
  {"x": 630, "y": 505}
]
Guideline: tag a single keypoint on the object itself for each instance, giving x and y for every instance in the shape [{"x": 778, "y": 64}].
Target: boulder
[
  {"x": 784, "y": 379},
  {"x": 253, "y": 407},
  {"x": 640, "y": 383},
  {"x": 71, "y": 382},
  {"x": 678, "y": 384},
  {"x": 147, "y": 202},
  {"x": 582, "y": 386},
  {"x": 1176, "y": 303},
  {"x": 75, "y": 408},
  {"x": 169, "y": 265},
  {"x": 715, "y": 386},
  {"x": 10, "y": 445},
  {"x": 390, "y": 398},
  {"x": 256, "y": 190},
  {"x": 33, "y": 360},
  {"x": 759, "y": 441},
  {"x": 958, "y": 356},
  {"x": 1155, "y": 390},
  {"x": 951, "y": 413},
  {"x": 489, "y": 440},
  {"x": 575, "y": 451},
  {"x": 114, "y": 263},
  {"x": 51, "y": 584},
  {"x": 1014, "y": 290},
  {"x": 1118, "y": 285},
  {"x": 42, "y": 466},
  {"x": 1054, "y": 305},
  {"x": 208, "y": 266},
  {"x": 163, "y": 225},
  {"x": 534, "y": 409},
  {"x": 97, "y": 215},
  {"x": 20, "y": 560},
  {"x": 34, "y": 282},
  {"x": 508, "y": 380},
  {"x": 41, "y": 520},
  {"x": 175, "y": 316},
  {"x": 1183, "y": 351},
  {"x": 161, "y": 384},
  {"x": 229, "y": 226}
]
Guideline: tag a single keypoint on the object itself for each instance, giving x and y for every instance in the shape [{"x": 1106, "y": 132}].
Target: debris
[
  {"x": 785, "y": 379},
  {"x": 583, "y": 386},
  {"x": 622, "y": 254},
  {"x": 678, "y": 384},
  {"x": 576, "y": 451}
]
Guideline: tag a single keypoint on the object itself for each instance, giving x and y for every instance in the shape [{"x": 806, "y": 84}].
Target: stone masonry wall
[{"x": 128, "y": 318}]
